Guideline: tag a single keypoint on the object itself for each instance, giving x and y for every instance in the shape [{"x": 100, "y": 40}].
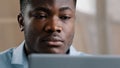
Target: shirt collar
[
  {"x": 73, "y": 51},
  {"x": 19, "y": 56}
]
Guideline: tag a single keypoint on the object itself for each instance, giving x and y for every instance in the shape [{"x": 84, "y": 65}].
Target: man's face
[{"x": 49, "y": 26}]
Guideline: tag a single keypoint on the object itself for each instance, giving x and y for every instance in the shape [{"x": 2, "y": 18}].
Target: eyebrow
[
  {"x": 48, "y": 10},
  {"x": 42, "y": 9},
  {"x": 65, "y": 8}
]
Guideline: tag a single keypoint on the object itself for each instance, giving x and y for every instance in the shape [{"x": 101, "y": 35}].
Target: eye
[
  {"x": 65, "y": 17},
  {"x": 40, "y": 16}
]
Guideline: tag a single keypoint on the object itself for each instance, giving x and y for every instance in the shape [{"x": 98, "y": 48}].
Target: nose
[{"x": 53, "y": 25}]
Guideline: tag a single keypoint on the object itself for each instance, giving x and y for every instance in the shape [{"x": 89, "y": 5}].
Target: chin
[{"x": 54, "y": 51}]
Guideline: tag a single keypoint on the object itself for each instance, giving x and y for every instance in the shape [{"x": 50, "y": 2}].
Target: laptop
[{"x": 66, "y": 61}]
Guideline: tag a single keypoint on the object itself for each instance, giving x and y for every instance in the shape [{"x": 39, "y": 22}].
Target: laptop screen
[{"x": 66, "y": 61}]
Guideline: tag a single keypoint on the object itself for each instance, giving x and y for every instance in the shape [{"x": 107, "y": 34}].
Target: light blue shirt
[{"x": 16, "y": 58}]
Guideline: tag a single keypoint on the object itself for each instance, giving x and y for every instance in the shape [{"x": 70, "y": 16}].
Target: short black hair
[{"x": 23, "y": 4}]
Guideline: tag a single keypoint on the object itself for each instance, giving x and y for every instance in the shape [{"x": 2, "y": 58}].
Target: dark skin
[{"x": 48, "y": 26}]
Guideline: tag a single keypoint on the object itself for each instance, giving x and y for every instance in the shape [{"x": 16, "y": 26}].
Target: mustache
[{"x": 53, "y": 37}]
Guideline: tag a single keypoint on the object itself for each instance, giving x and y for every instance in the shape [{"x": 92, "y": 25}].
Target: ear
[{"x": 21, "y": 21}]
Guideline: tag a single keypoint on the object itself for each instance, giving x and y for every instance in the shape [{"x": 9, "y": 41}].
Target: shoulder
[
  {"x": 6, "y": 52},
  {"x": 83, "y": 54},
  {"x": 73, "y": 51},
  {"x": 5, "y": 57}
]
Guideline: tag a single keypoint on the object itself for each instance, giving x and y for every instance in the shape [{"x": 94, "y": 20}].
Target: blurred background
[{"x": 97, "y": 26}]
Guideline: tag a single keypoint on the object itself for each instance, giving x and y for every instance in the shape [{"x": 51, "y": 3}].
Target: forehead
[{"x": 52, "y": 3}]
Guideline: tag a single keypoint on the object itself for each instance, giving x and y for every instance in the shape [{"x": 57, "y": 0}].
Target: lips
[{"x": 53, "y": 41}]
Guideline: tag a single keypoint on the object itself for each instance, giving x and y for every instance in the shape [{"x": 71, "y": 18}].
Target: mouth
[{"x": 53, "y": 41}]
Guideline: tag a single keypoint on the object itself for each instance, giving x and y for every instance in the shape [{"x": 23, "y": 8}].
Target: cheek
[
  {"x": 69, "y": 33},
  {"x": 34, "y": 27},
  {"x": 32, "y": 30}
]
